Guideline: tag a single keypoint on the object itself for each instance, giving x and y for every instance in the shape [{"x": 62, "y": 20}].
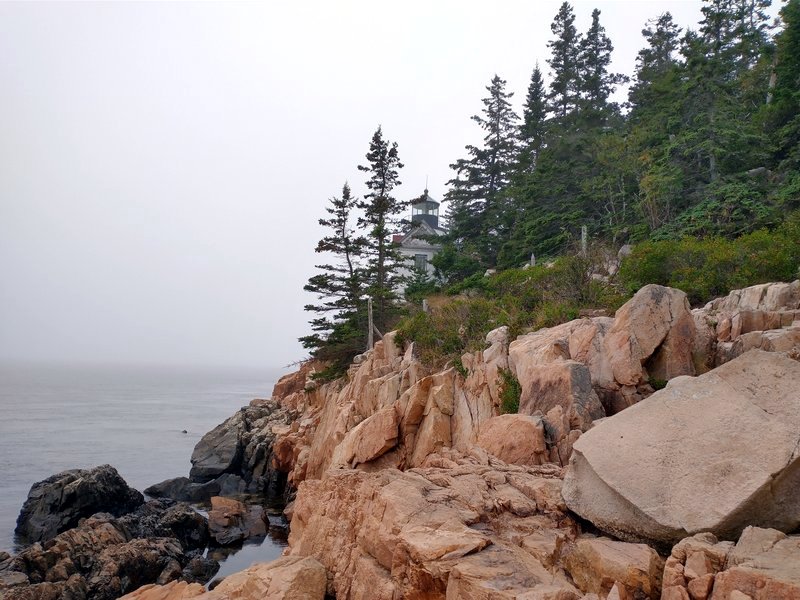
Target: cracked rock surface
[{"x": 714, "y": 453}]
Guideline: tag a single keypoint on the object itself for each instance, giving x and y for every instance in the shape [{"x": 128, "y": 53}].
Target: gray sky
[{"x": 163, "y": 166}]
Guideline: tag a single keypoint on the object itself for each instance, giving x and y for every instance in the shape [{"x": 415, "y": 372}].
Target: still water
[{"x": 54, "y": 418}]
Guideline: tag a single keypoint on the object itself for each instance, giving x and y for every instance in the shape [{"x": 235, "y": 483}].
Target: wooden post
[
  {"x": 584, "y": 240},
  {"x": 370, "y": 334}
]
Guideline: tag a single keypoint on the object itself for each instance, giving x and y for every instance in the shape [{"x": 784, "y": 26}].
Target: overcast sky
[{"x": 163, "y": 166}]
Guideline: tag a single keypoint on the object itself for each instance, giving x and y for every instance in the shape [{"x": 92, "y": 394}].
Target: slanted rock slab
[{"x": 713, "y": 453}]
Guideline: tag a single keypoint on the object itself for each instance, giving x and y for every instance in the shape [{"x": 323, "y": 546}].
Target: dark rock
[
  {"x": 60, "y": 501},
  {"x": 110, "y": 557},
  {"x": 230, "y": 485},
  {"x": 72, "y": 589},
  {"x": 182, "y": 488},
  {"x": 243, "y": 446},
  {"x": 200, "y": 570},
  {"x": 123, "y": 568},
  {"x": 231, "y": 521},
  {"x": 166, "y": 518},
  {"x": 219, "y": 451}
]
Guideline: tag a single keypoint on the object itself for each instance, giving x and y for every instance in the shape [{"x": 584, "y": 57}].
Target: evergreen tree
[
  {"x": 339, "y": 331},
  {"x": 594, "y": 57},
  {"x": 478, "y": 210},
  {"x": 564, "y": 62},
  {"x": 655, "y": 62},
  {"x": 380, "y": 219},
  {"x": 784, "y": 108},
  {"x": 750, "y": 32},
  {"x": 534, "y": 115}
]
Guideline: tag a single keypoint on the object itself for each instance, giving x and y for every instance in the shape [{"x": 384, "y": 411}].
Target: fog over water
[{"x": 163, "y": 165}]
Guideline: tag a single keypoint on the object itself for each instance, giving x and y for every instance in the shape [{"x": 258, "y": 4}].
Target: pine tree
[
  {"x": 750, "y": 32},
  {"x": 534, "y": 115},
  {"x": 380, "y": 219},
  {"x": 784, "y": 108},
  {"x": 594, "y": 58},
  {"x": 564, "y": 62},
  {"x": 478, "y": 209},
  {"x": 655, "y": 62},
  {"x": 338, "y": 329}
]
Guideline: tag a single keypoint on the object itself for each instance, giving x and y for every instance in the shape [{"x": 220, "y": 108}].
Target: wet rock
[
  {"x": 183, "y": 488},
  {"x": 166, "y": 518},
  {"x": 200, "y": 570},
  {"x": 243, "y": 446},
  {"x": 231, "y": 521},
  {"x": 60, "y": 501}
]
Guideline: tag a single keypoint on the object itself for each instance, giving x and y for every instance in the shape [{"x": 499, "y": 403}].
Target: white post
[
  {"x": 584, "y": 240},
  {"x": 370, "y": 334}
]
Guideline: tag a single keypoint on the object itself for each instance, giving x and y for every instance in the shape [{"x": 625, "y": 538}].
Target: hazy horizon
[{"x": 164, "y": 164}]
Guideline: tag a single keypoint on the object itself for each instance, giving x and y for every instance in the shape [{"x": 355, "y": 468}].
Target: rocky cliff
[{"x": 655, "y": 454}]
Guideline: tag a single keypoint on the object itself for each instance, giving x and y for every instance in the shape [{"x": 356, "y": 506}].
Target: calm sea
[{"x": 54, "y": 418}]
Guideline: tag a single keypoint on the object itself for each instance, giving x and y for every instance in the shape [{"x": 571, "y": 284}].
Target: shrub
[
  {"x": 510, "y": 392},
  {"x": 454, "y": 328},
  {"x": 710, "y": 267}
]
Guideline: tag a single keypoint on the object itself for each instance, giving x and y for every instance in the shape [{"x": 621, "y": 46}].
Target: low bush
[
  {"x": 710, "y": 267},
  {"x": 522, "y": 299}
]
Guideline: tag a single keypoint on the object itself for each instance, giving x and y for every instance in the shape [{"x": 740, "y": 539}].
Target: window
[{"x": 421, "y": 262}]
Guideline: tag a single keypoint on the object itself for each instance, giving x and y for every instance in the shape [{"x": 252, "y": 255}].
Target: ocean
[{"x": 54, "y": 418}]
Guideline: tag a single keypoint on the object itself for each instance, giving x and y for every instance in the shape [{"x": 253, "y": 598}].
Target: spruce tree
[
  {"x": 478, "y": 210},
  {"x": 594, "y": 58},
  {"x": 564, "y": 62},
  {"x": 784, "y": 107},
  {"x": 380, "y": 219},
  {"x": 655, "y": 62},
  {"x": 534, "y": 115},
  {"x": 339, "y": 329}
]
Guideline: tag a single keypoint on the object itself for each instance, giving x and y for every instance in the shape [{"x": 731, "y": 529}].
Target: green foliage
[
  {"x": 729, "y": 209},
  {"x": 448, "y": 332},
  {"x": 479, "y": 210},
  {"x": 522, "y": 299},
  {"x": 452, "y": 264},
  {"x": 705, "y": 268},
  {"x": 510, "y": 392},
  {"x": 420, "y": 286}
]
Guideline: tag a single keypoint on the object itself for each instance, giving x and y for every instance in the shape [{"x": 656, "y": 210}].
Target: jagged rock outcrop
[
  {"x": 458, "y": 527},
  {"x": 57, "y": 503},
  {"x": 101, "y": 559},
  {"x": 231, "y": 521},
  {"x": 288, "y": 578},
  {"x": 393, "y": 411},
  {"x": 763, "y": 565},
  {"x": 765, "y": 317},
  {"x": 712, "y": 453},
  {"x": 242, "y": 446}
]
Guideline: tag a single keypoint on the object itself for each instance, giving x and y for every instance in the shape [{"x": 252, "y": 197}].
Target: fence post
[{"x": 370, "y": 334}]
